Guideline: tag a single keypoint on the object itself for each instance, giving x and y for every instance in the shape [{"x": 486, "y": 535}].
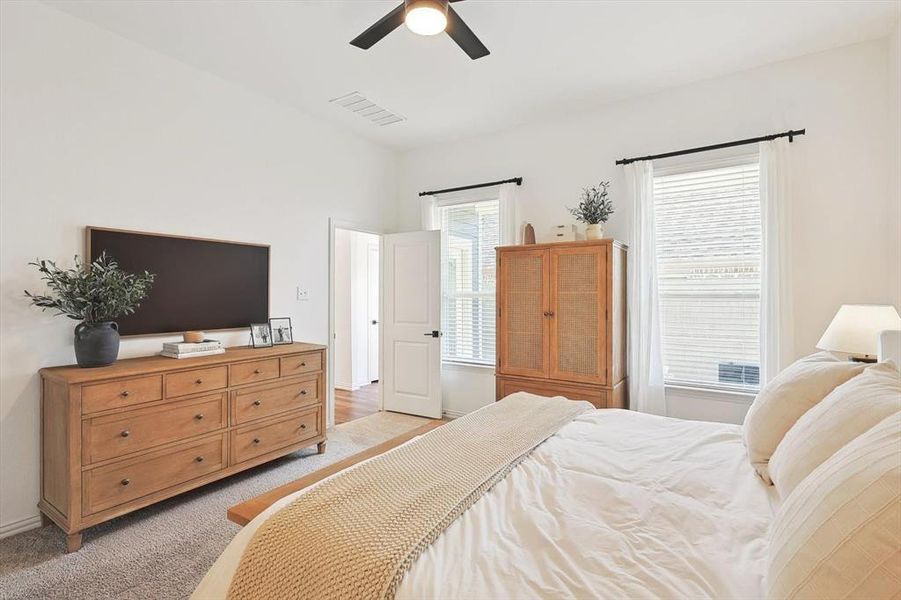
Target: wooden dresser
[
  {"x": 118, "y": 438},
  {"x": 561, "y": 321}
]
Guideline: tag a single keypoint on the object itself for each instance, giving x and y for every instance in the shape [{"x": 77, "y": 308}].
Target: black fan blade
[
  {"x": 383, "y": 27},
  {"x": 463, "y": 35}
]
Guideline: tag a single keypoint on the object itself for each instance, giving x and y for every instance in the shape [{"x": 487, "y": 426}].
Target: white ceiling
[{"x": 548, "y": 57}]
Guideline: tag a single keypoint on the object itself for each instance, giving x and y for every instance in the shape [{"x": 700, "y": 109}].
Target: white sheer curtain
[
  {"x": 510, "y": 224},
  {"x": 776, "y": 323},
  {"x": 646, "y": 391},
  {"x": 429, "y": 208}
]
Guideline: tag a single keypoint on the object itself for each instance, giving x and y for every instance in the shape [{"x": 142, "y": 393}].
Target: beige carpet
[{"x": 163, "y": 551}]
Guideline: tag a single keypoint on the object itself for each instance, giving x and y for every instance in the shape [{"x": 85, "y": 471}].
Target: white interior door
[
  {"x": 372, "y": 306},
  {"x": 411, "y": 269}
]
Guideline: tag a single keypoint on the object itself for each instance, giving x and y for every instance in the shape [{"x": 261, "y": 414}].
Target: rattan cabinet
[{"x": 561, "y": 321}]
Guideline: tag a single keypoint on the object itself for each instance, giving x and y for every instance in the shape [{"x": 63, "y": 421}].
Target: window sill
[
  {"x": 726, "y": 394},
  {"x": 460, "y": 363}
]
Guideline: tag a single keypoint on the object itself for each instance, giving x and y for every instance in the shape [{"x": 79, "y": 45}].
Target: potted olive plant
[
  {"x": 594, "y": 209},
  {"x": 95, "y": 296}
]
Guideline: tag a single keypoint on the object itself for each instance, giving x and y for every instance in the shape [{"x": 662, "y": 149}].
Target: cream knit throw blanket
[{"x": 356, "y": 534}]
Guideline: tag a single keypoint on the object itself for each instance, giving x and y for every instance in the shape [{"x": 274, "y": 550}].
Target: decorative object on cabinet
[
  {"x": 563, "y": 233},
  {"x": 261, "y": 335},
  {"x": 561, "y": 321},
  {"x": 594, "y": 209},
  {"x": 193, "y": 337},
  {"x": 280, "y": 327},
  {"x": 528, "y": 235},
  {"x": 122, "y": 437},
  {"x": 95, "y": 295}
]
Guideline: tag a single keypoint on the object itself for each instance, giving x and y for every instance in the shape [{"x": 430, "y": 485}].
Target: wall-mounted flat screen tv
[{"x": 200, "y": 284}]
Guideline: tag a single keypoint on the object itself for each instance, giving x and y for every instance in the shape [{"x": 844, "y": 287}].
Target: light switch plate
[{"x": 302, "y": 294}]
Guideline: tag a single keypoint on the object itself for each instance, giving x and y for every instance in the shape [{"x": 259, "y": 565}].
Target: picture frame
[
  {"x": 281, "y": 331},
  {"x": 261, "y": 335}
]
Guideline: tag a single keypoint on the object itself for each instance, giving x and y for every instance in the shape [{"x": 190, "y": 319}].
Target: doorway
[{"x": 355, "y": 336}]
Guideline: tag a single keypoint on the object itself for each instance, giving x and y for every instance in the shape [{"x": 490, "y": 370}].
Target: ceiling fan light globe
[{"x": 426, "y": 17}]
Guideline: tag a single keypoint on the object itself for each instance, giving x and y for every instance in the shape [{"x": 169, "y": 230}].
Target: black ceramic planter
[{"x": 96, "y": 344}]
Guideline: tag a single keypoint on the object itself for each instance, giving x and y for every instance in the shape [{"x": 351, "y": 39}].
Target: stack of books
[{"x": 192, "y": 350}]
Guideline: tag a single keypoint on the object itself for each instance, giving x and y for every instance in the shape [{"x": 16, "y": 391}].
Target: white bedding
[{"x": 616, "y": 504}]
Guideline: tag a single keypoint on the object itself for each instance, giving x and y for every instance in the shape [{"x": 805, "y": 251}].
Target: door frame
[{"x": 333, "y": 224}]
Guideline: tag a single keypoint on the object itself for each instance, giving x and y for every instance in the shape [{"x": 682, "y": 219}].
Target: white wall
[
  {"x": 351, "y": 307},
  {"x": 99, "y": 130},
  {"x": 846, "y": 225}
]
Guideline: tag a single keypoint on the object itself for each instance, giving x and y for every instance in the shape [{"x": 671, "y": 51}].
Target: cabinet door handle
[
  {"x": 199, "y": 459},
  {"x": 303, "y": 426},
  {"x": 303, "y": 364},
  {"x": 257, "y": 402},
  {"x": 256, "y": 371},
  {"x": 125, "y": 481},
  {"x": 303, "y": 392},
  {"x": 124, "y": 394},
  {"x": 199, "y": 381},
  {"x": 125, "y": 433},
  {"x": 256, "y": 440},
  {"x": 199, "y": 416}
]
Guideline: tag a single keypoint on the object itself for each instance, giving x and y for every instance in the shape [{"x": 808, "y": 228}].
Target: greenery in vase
[
  {"x": 594, "y": 205},
  {"x": 102, "y": 292}
]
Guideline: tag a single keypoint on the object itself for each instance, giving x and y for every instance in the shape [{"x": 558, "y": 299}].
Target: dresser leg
[
  {"x": 73, "y": 542},
  {"x": 320, "y": 448}
]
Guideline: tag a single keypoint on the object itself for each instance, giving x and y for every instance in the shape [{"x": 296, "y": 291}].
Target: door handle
[
  {"x": 434, "y": 333},
  {"x": 374, "y": 322}
]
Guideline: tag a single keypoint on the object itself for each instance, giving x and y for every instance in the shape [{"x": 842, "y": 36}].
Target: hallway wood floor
[{"x": 359, "y": 403}]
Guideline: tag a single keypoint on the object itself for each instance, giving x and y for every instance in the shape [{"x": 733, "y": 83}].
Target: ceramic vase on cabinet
[{"x": 594, "y": 231}]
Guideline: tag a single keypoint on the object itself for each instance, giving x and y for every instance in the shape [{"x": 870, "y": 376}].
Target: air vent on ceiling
[{"x": 358, "y": 103}]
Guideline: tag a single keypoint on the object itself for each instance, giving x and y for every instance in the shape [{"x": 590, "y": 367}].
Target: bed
[{"x": 615, "y": 504}]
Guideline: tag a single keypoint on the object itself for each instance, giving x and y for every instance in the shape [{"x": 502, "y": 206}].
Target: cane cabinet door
[
  {"x": 522, "y": 312},
  {"x": 577, "y": 316}
]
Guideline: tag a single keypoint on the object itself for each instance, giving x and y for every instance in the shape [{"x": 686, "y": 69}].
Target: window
[
  {"x": 469, "y": 234},
  {"x": 708, "y": 269}
]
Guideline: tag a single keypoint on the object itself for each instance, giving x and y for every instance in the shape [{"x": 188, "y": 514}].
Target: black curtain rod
[
  {"x": 516, "y": 180},
  {"x": 764, "y": 138}
]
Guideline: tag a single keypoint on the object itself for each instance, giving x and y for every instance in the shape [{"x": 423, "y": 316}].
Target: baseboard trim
[{"x": 19, "y": 526}]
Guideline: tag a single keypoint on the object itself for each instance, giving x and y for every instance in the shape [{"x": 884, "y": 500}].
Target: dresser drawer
[
  {"x": 196, "y": 381},
  {"x": 252, "y": 372},
  {"x": 266, "y": 401},
  {"x": 126, "y": 432},
  {"x": 256, "y": 440},
  {"x": 124, "y": 392},
  {"x": 301, "y": 363},
  {"x": 506, "y": 386},
  {"x": 121, "y": 482}
]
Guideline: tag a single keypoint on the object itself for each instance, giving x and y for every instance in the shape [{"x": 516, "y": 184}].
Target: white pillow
[
  {"x": 848, "y": 411},
  {"x": 788, "y": 396},
  {"x": 838, "y": 535}
]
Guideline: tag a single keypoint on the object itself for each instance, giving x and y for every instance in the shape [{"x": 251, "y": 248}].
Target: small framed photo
[
  {"x": 281, "y": 330},
  {"x": 260, "y": 335}
]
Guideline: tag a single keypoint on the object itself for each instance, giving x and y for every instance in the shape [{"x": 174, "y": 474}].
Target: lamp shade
[{"x": 855, "y": 328}]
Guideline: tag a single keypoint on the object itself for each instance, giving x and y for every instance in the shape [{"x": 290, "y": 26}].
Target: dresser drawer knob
[
  {"x": 125, "y": 481},
  {"x": 303, "y": 364},
  {"x": 199, "y": 416},
  {"x": 125, "y": 433},
  {"x": 303, "y": 392},
  {"x": 256, "y": 371},
  {"x": 257, "y": 402},
  {"x": 256, "y": 440},
  {"x": 303, "y": 426},
  {"x": 199, "y": 459},
  {"x": 124, "y": 394},
  {"x": 199, "y": 381}
]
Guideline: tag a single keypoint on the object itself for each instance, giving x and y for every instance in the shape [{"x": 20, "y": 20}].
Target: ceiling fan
[{"x": 425, "y": 17}]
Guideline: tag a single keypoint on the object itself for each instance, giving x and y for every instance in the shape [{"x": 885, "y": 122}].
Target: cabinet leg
[
  {"x": 320, "y": 448},
  {"x": 73, "y": 542}
]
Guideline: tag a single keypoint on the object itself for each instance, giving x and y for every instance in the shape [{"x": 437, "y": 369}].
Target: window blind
[
  {"x": 708, "y": 265},
  {"x": 469, "y": 234}
]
